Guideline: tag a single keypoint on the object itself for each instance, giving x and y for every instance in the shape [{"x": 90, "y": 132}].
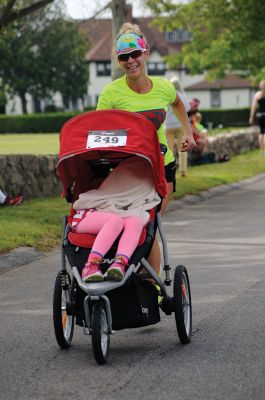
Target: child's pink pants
[{"x": 107, "y": 227}]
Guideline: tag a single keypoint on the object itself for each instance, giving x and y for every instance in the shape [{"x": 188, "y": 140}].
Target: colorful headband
[{"x": 129, "y": 42}]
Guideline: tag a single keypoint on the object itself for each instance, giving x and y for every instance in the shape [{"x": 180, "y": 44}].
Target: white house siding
[
  {"x": 96, "y": 84},
  {"x": 229, "y": 98},
  {"x": 235, "y": 98},
  {"x": 14, "y": 104}
]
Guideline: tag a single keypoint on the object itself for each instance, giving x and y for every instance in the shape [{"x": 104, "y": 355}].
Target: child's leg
[
  {"x": 132, "y": 231},
  {"x": 107, "y": 226},
  {"x": 129, "y": 240}
]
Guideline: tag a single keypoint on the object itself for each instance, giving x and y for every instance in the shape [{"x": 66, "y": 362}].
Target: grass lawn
[
  {"x": 28, "y": 143},
  {"x": 38, "y": 222},
  {"x": 48, "y": 143}
]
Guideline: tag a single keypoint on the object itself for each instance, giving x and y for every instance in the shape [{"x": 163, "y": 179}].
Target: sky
[{"x": 87, "y": 8}]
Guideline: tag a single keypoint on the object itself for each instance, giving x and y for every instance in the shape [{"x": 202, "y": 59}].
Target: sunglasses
[{"x": 134, "y": 54}]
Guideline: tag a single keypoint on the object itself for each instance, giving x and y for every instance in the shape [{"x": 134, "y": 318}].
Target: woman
[
  {"x": 150, "y": 96},
  {"x": 259, "y": 100}
]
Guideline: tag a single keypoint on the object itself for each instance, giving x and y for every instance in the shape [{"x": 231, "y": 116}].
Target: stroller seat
[{"x": 87, "y": 239}]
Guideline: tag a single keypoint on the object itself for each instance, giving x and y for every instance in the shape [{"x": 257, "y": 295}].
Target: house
[{"x": 229, "y": 92}]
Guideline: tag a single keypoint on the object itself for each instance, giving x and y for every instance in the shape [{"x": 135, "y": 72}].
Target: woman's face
[{"x": 134, "y": 67}]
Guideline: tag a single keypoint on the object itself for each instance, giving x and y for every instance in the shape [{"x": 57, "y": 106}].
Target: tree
[
  {"x": 227, "y": 35},
  {"x": 119, "y": 13},
  {"x": 47, "y": 59},
  {"x": 12, "y": 10},
  {"x": 63, "y": 48}
]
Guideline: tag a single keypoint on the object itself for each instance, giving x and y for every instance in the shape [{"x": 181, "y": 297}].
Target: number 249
[{"x": 107, "y": 139}]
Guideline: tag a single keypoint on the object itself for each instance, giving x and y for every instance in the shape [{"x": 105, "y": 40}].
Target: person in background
[
  {"x": 259, "y": 100},
  {"x": 175, "y": 131},
  {"x": 201, "y": 134},
  {"x": 150, "y": 96},
  {"x": 194, "y": 105},
  {"x": 10, "y": 201}
]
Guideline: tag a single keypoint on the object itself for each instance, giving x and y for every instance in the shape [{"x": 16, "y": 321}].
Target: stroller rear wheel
[
  {"x": 62, "y": 321},
  {"x": 182, "y": 304},
  {"x": 100, "y": 332}
]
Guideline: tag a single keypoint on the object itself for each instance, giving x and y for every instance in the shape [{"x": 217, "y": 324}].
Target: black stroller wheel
[
  {"x": 63, "y": 322},
  {"x": 100, "y": 332},
  {"x": 182, "y": 304}
]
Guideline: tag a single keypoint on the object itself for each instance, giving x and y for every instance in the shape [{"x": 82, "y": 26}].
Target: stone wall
[
  {"x": 36, "y": 176},
  {"x": 236, "y": 142},
  {"x": 33, "y": 176},
  {"x": 230, "y": 144}
]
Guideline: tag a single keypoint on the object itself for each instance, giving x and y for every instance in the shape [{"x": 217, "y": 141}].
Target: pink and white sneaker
[
  {"x": 92, "y": 273},
  {"x": 116, "y": 271}
]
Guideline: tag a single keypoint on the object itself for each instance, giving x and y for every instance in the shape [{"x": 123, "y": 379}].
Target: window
[
  {"x": 156, "y": 68},
  {"x": 215, "y": 98},
  {"x": 103, "y": 68},
  {"x": 177, "y": 35}
]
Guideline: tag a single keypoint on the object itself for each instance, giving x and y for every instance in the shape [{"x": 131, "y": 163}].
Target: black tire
[
  {"x": 182, "y": 304},
  {"x": 100, "y": 332},
  {"x": 63, "y": 322}
]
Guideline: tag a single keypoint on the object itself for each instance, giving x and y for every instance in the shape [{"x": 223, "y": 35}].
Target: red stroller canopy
[{"x": 103, "y": 134}]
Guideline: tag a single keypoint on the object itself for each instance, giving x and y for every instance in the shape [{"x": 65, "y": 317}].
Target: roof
[
  {"x": 99, "y": 34},
  {"x": 231, "y": 81}
]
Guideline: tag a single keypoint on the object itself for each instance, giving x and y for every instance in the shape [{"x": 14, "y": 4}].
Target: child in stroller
[
  {"x": 93, "y": 144},
  {"x": 120, "y": 204}
]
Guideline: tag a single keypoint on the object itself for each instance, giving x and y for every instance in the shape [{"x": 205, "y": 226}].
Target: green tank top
[{"x": 153, "y": 105}]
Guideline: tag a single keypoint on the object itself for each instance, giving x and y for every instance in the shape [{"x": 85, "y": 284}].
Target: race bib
[{"x": 109, "y": 138}]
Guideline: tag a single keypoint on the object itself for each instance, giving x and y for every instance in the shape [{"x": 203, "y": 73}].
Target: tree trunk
[
  {"x": 119, "y": 13},
  {"x": 22, "y": 96}
]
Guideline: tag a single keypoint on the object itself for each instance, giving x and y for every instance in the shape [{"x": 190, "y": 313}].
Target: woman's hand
[{"x": 188, "y": 142}]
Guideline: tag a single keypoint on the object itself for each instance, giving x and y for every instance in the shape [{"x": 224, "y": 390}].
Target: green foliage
[
  {"x": 62, "y": 48},
  {"x": 231, "y": 117},
  {"x": 227, "y": 35},
  {"x": 48, "y": 122},
  {"x": 42, "y": 58}
]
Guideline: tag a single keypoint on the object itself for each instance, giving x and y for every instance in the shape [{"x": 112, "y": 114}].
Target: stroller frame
[
  {"x": 98, "y": 321},
  {"x": 97, "y": 290}
]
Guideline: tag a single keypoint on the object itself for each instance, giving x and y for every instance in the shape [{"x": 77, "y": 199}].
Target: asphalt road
[{"x": 220, "y": 239}]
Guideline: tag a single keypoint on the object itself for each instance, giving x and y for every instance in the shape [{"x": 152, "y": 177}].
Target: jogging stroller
[{"x": 91, "y": 144}]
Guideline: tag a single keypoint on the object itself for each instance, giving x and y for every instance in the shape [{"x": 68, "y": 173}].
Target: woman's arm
[
  {"x": 253, "y": 108},
  {"x": 179, "y": 110}
]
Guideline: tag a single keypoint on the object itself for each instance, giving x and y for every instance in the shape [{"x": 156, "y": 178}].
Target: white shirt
[{"x": 171, "y": 121}]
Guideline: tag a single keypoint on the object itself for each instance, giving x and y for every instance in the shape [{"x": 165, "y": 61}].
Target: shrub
[
  {"x": 35, "y": 123},
  {"x": 232, "y": 117}
]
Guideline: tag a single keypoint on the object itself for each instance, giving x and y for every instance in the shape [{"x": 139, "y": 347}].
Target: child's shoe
[
  {"x": 116, "y": 271},
  {"x": 92, "y": 273}
]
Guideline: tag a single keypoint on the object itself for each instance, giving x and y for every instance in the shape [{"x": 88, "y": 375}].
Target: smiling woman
[{"x": 150, "y": 96}]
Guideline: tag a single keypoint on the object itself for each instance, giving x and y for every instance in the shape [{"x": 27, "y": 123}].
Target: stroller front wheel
[
  {"x": 62, "y": 321},
  {"x": 100, "y": 332},
  {"x": 182, "y": 304}
]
